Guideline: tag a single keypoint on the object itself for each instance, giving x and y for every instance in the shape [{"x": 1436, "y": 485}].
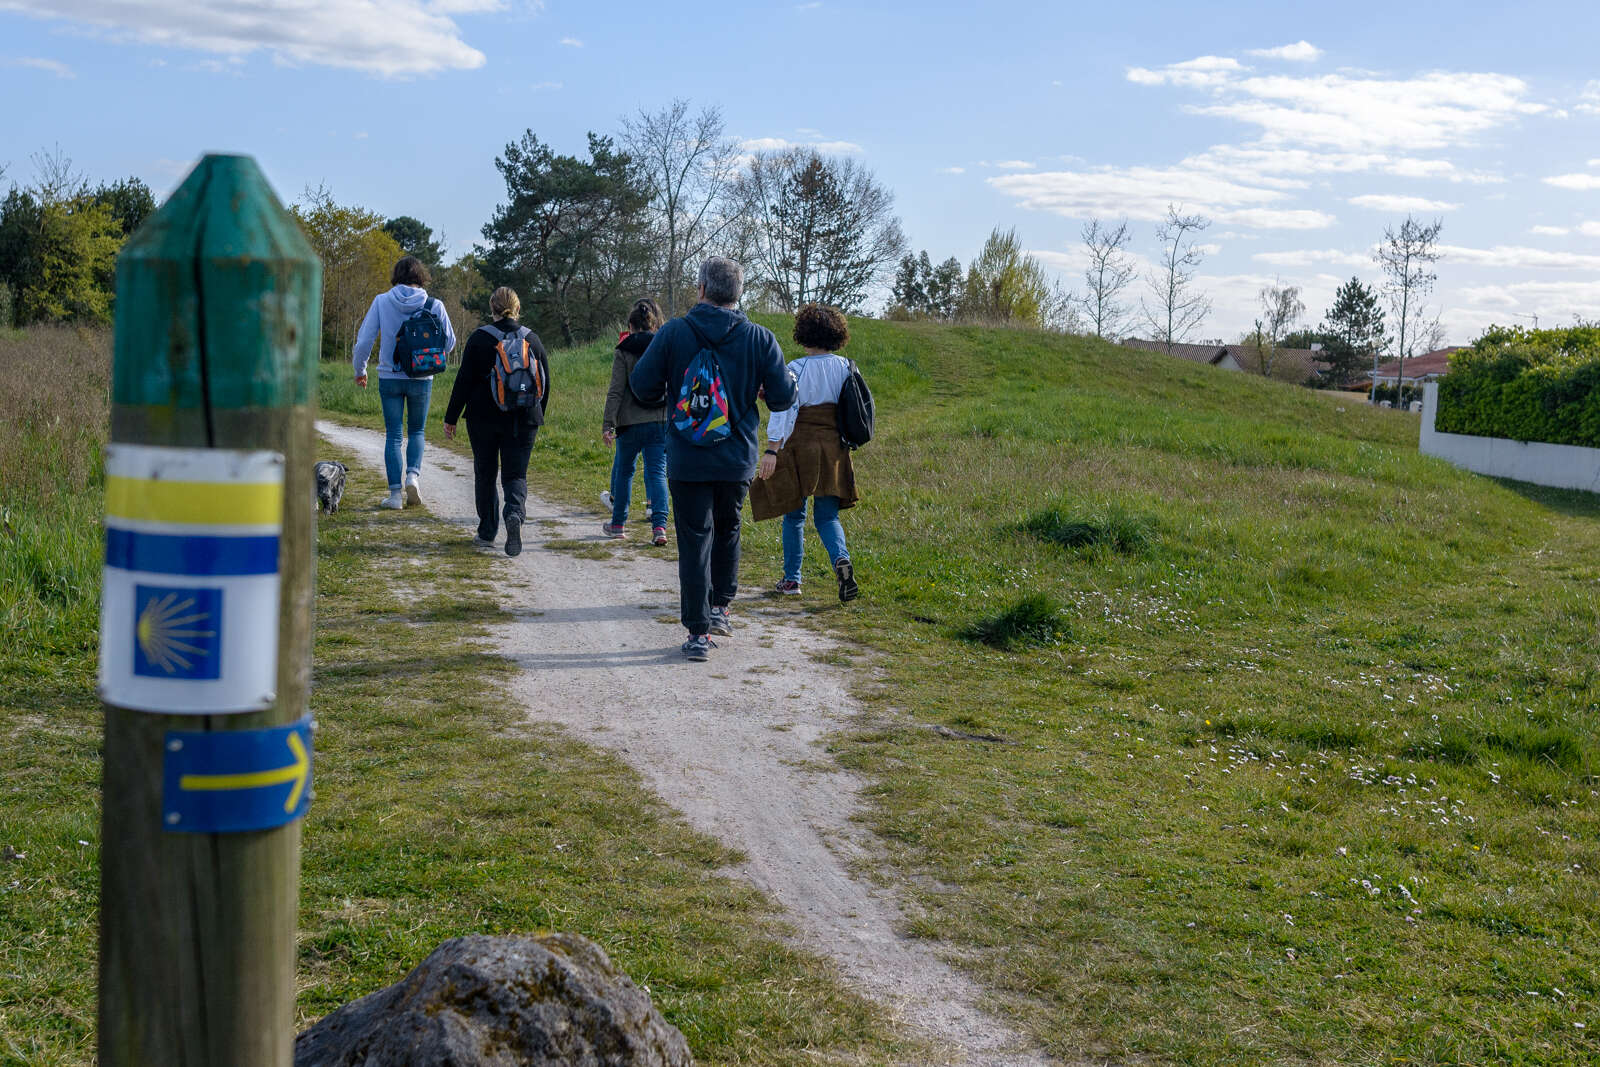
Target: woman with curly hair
[{"x": 804, "y": 458}]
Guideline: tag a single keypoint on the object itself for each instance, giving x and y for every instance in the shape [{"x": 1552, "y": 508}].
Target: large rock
[{"x": 501, "y": 1002}]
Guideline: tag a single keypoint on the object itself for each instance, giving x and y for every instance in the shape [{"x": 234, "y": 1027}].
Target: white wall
[{"x": 1560, "y": 466}]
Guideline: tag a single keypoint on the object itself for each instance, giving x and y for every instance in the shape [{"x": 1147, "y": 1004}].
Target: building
[
  {"x": 1294, "y": 365},
  {"x": 1428, "y": 367}
]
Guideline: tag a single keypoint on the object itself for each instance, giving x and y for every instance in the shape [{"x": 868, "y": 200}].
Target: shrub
[
  {"x": 1035, "y": 621},
  {"x": 1526, "y": 385},
  {"x": 1113, "y": 529}
]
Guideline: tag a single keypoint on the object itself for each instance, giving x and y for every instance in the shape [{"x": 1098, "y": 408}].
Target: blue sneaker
[
  {"x": 719, "y": 622},
  {"x": 698, "y": 648}
]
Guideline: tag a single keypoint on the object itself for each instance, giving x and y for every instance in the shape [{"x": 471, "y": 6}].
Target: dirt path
[{"x": 748, "y": 769}]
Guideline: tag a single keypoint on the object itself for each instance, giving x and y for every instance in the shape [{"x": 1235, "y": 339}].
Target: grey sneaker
[
  {"x": 513, "y": 538},
  {"x": 413, "y": 491},
  {"x": 393, "y": 500},
  {"x": 605, "y": 499},
  {"x": 719, "y": 622},
  {"x": 478, "y": 542},
  {"x": 698, "y": 648}
]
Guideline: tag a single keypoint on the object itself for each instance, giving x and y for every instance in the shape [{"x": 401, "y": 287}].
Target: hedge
[{"x": 1525, "y": 385}]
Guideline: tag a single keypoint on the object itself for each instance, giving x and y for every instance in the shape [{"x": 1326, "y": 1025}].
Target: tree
[
  {"x": 1178, "y": 309},
  {"x": 357, "y": 258},
  {"x": 945, "y": 287},
  {"x": 130, "y": 202},
  {"x": 1352, "y": 331},
  {"x": 820, "y": 229},
  {"x": 572, "y": 236},
  {"x": 686, "y": 162},
  {"x": 58, "y": 247},
  {"x": 416, "y": 239},
  {"x": 1110, "y": 271},
  {"x": 1005, "y": 286},
  {"x": 1281, "y": 307},
  {"x": 1407, "y": 259},
  {"x": 910, "y": 284}
]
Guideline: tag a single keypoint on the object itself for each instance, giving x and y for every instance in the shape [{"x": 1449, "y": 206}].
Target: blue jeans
[
  {"x": 405, "y": 409},
  {"x": 825, "y": 516},
  {"x": 647, "y": 439}
]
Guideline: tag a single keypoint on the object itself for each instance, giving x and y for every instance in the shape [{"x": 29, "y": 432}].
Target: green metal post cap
[{"x": 219, "y": 298}]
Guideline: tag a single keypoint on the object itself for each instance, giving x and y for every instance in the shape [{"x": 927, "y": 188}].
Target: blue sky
[{"x": 1300, "y": 130}]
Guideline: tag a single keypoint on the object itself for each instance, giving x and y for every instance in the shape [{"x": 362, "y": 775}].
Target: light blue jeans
[
  {"x": 405, "y": 410},
  {"x": 825, "y": 516}
]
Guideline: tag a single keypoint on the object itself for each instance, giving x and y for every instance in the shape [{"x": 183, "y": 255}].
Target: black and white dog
[{"x": 330, "y": 485}]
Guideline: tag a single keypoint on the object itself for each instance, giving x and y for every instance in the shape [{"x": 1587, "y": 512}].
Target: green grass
[
  {"x": 439, "y": 809},
  {"x": 1313, "y": 779}
]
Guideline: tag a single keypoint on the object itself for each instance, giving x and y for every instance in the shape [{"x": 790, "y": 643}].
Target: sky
[{"x": 1300, "y": 131}]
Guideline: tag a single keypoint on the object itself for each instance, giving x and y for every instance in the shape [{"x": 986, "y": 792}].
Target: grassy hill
[{"x": 1299, "y": 766}]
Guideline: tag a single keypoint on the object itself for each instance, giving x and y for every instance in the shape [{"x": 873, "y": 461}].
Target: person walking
[
  {"x": 404, "y": 399},
  {"x": 501, "y": 360},
  {"x": 635, "y": 430},
  {"x": 711, "y": 454},
  {"x": 804, "y": 458}
]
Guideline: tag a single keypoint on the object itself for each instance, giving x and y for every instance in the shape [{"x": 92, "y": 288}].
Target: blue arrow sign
[{"x": 235, "y": 780}]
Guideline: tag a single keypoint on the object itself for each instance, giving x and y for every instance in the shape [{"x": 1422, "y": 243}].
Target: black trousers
[
  {"x": 500, "y": 449},
  {"x": 706, "y": 517}
]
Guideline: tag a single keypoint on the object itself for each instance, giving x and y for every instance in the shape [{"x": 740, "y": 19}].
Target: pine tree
[{"x": 1354, "y": 329}]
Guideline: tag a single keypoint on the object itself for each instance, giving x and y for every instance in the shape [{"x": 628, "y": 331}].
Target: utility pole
[{"x": 205, "y": 631}]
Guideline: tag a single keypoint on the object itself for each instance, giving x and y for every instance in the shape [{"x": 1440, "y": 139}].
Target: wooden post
[{"x": 217, "y": 335}]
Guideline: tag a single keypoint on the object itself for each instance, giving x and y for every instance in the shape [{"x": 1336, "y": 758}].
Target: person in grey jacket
[
  {"x": 708, "y": 483},
  {"x": 636, "y": 430}
]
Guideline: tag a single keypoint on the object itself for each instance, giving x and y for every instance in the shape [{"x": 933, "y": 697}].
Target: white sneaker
[
  {"x": 413, "y": 496},
  {"x": 393, "y": 500},
  {"x": 605, "y": 499}
]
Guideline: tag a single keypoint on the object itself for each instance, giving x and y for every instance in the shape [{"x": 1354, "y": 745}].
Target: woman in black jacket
[{"x": 500, "y": 428}]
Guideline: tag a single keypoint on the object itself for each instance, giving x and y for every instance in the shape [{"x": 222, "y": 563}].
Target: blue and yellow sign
[
  {"x": 189, "y": 608},
  {"x": 235, "y": 780}
]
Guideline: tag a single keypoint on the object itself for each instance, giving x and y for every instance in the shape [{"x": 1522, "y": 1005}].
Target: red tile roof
[{"x": 1429, "y": 364}]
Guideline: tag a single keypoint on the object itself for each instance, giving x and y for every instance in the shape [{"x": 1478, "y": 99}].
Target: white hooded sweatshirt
[{"x": 383, "y": 321}]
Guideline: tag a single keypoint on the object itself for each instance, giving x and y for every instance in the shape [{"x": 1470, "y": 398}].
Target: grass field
[
  {"x": 1299, "y": 726},
  {"x": 1297, "y": 755},
  {"x": 439, "y": 810}
]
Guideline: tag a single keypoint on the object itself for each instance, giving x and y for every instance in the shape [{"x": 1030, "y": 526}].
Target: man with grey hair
[{"x": 708, "y": 477}]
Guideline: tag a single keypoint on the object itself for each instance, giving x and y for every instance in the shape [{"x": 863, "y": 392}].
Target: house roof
[
  {"x": 1429, "y": 364},
  {"x": 1295, "y": 365}
]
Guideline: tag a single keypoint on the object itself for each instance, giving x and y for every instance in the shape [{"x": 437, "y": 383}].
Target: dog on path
[{"x": 330, "y": 485}]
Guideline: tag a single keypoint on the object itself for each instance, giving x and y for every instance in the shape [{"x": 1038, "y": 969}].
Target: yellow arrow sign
[{"x": 295, "y": 772}]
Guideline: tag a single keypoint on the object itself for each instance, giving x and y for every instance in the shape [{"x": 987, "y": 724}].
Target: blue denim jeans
[
  {"x": 647, "y": 439},
  {"x": 405, "y": 409},
  {"x": 825, "y": 516}
]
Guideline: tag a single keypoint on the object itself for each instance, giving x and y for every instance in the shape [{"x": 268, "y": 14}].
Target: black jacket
[{"x": 474, "y": 380}]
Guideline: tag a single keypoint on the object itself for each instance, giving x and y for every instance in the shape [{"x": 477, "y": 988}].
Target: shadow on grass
[{"x": 1575, "y": 503}]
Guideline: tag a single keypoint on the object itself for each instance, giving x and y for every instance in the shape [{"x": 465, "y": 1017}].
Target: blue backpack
[
  {"x": 419, "y": 346},
  {"x": 704, "y": 414}
]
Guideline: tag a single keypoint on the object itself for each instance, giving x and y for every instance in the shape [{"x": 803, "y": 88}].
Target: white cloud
[
  {"x": 1517, "y": 257},
  {"x": 1589, "y": 229},
  {"x": 1397, "y": 204},
  {"x": 952, "y": 170},
  {"x": 1145, "y": 192},
  {"x": 393, "y": 38},
  {"x": 1299, "y": 52},
  {"x": 778, "y": 144},
  {"x": 1589, "y": 99},
  {"x": 1308, "y": 256},
  {"x": 571, "y": 42},
  {"x": 1579, "y": 182},
  {"x": 1014, "y": 164},
  {"x": 1550, "y": 231},
  {"x": 1352, "y": 111},
  {"x": 50, "y": 66}
]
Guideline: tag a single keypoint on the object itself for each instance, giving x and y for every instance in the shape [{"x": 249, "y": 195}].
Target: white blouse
[{"x": 821, "y": 378}]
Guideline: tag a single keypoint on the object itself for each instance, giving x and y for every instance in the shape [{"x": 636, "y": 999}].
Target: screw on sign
[{"x": 205, "y": 627}]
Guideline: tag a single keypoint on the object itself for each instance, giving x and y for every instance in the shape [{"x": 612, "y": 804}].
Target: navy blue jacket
[{"x": 750, "y": 359}]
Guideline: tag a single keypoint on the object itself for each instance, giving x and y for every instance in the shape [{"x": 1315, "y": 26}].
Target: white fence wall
[{"x": 1560, "y": 466}]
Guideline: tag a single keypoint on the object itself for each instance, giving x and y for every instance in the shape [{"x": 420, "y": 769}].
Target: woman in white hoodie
[{"x": 404, "y": 399}]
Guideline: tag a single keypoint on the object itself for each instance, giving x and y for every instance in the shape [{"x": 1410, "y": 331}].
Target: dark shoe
[
  {"x": 514, "y": 539},
  {"x": 479, "y": 542},
  {"x": 658, "y": 535},
  {"x": 719, "y": 622},
  {"x": 789, "y": 587},
  {"x": 848, "y": 590},
  {"x": 698, "y": 648}
]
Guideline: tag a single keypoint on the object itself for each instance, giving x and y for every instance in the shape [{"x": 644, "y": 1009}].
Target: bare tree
[
  {"x": 1179, "y": 309},
  {"x": 687, "y": 162},
  {"x": 1281, "y": 308},
  {"x": 816, "y": 229},
  {"x": 1407, "y": 259},
  {"x": 1111, "y": 269}
]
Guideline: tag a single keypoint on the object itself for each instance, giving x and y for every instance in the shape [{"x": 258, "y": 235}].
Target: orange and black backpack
[{"x": 515, "y": 383}]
